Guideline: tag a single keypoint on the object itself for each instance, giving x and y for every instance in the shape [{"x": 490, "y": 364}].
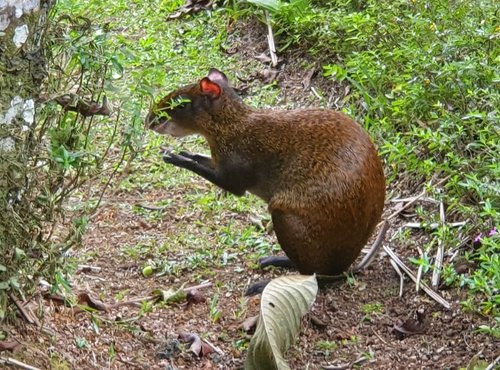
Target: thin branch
[
  {"x": 367, "y": 260},
  {"x": 411, "y": 199},
  {"x": 438, "y": 265},
  {"x": 433, "y": 226},
  {"x": 425, "y": 287},
  {"x": 270, "y": 40},
  {"x": 401, "y": 277},
  {"x": 493, "y": 364},
  {"x": 420, "y": 270},
  {"x": 13, "y": 362}
]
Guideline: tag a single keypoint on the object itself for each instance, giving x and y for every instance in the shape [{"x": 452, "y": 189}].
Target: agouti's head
[{"x": 192, "y": 109}]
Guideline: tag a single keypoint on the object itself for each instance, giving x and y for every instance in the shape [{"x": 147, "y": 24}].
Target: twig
[
  {"x": 214, "y": 347},
  {"x": 425, "y": 287},
  {"x": 84, "y": 268},
  {"x": 126, "y": 362},
  {"x": 401, "y": 277},
  {"x": 316, "y": 93},
  {"x": 365, "y": 262},
  {"x": 416, "y": 198},
  {"x": 411, "y": 199},
  {"x": 433, "y": 226},
  {"x": 420, "y": 270},
  {"x": 492, "y": 365},
  {"x": 379, "y": 337},
  {"x": 270, "y": 40},
  {"x": 13, "y": 362},
  {"x": 150, "y": 207},
  {"x": 438, "y": 265}
]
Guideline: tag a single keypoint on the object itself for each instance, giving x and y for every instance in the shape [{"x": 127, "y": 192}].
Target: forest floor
[{"x": 196, "y": 236}]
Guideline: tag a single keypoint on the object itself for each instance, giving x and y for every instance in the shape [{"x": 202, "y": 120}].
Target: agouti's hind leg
[{"x": 294, "y": 233}]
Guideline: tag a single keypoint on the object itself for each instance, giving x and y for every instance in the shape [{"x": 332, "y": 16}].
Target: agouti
[{"x": 317, "y": 169}]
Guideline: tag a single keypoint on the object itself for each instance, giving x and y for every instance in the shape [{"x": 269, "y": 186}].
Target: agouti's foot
[
  {"x": 256, "y": 288},
  {"x": 276, "y": 261}
]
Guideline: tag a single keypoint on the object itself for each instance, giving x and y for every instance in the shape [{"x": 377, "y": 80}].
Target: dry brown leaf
[
  {"x": 316, "y": 321},
  {"x": 194, "y": 296},
  {"x": 9, "y": 345},
  {"x": 198, "y": 346},
  {"x": 411, "y": 326},
  {"x": 87, "y": 300}
]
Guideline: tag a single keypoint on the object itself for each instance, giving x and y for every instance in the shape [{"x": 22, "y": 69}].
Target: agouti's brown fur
[{"x": 317, "y": 169}]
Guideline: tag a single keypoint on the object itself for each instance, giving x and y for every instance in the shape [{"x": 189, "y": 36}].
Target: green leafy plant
[{"x": 215, "y": 312}]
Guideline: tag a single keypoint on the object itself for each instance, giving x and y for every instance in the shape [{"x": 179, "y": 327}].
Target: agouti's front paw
[
  {"x": 187, "y": 155},
  {"x": 175, "y": 159}
]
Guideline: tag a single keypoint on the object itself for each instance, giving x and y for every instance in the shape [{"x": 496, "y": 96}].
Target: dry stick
[
  {"x": 425, "y": 287},
  {"x": 401, "y": 278},
  {"x": 416, "y": 198},
  {"x": 13, "y": 362},
  {"x": 381, "y": 339},
  {"x": 411, "y": 199},
  {"x": 270, "y": 40},
  {"x": 420, "y": 270},
  {"x": 126, "y": 362},
  {"x": 365, "y": 262},
  {"x": 316, "y": 93},
  {"x": 433, "y": 226},
  {"x": 149, "y": 207},
  {"x": 438, "y": 265},
  {"x": 213, "y": 346},
  {"x": 492, "y": 365}
]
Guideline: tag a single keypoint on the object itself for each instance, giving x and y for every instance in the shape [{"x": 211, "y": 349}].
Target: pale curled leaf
[
  {"x": 171, "y": 295},
  {"x": 284, "y": 301}
]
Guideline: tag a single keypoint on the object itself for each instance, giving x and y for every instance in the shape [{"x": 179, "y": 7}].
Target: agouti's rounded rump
[{"x": 317, "y": 169}]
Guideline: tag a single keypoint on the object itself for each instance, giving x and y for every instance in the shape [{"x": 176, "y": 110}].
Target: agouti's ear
[
  {"x": 217, "y": 76},
  {"x": 210, "y": 88}
]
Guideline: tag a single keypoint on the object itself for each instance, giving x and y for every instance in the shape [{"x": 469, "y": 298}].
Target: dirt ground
[{"x": 361, "y": 323}]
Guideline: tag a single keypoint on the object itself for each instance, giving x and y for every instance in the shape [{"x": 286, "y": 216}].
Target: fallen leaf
[
  {"x": 268, "y": 75},
  {"x": 284, "y": 302},
  {"x": 306, "y": 81},
  {"x": 411, "y": 326},
  {"x": 170, "y": 295},
  {"x": 263, "y": 57},
  {"x": 198, "y": 346},
  {"x": 344, "y": 334},
  {"x": 194, "y": 296},
  {"x": 86, "y": 300},
  {"x": 316, "y": 321},
  {"x": 9, "y": 345}
]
